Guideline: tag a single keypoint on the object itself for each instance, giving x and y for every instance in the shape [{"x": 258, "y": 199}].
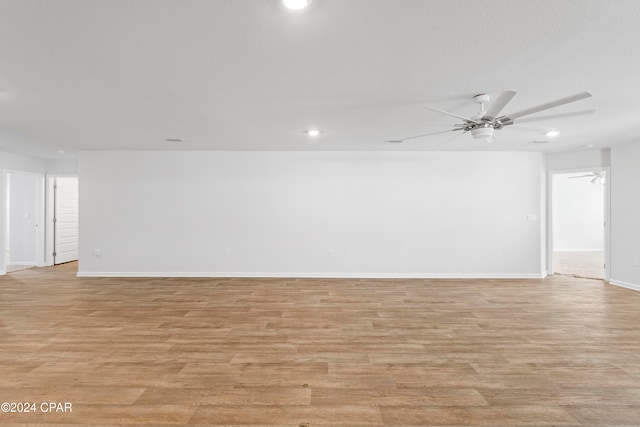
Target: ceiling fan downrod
[{"x": 482, "y": 128}]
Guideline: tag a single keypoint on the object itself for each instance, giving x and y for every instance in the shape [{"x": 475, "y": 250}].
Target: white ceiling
[{"x": 250, "y": 75}]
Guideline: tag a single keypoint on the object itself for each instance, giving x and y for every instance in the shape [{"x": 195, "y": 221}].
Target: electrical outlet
[
  {"x": 97, "y": 252},
  {"x": 347, "y": 253},
  {"x": 636, "y": 261},
  {"x": 332, "y": 253},
  {"x": 227, "y": 252}
]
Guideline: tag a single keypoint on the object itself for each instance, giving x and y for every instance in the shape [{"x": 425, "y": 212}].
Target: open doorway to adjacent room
[{"x": 578, "y": 223}]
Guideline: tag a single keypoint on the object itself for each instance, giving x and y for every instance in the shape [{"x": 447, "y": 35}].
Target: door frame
[
  {"x": 39, "y": 213},
  {"x": 607, "y": 212},
  {"x": 50, "y": 213}
]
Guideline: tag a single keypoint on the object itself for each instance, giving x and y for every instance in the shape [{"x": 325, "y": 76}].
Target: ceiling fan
[
  {"x": 488, "y": 120},
  {"x": 597, "y": 177}
]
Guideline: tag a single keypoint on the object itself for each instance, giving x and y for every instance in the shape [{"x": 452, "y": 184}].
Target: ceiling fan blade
[
  {"x": 497, "y": 105},
  {"x": 417, "y": 125},
  {"x": 454, "y": 115},
  {"x": 531, "y": 128},
  {"x": 556, "y": 116},
  {"x": 400, "y": 140},
  {"x": 451, "y": 139},
  {"x": 558, "y": 102}
]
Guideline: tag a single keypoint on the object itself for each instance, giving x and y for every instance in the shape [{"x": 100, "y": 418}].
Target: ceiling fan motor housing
[{"x": 483, "y": 98}]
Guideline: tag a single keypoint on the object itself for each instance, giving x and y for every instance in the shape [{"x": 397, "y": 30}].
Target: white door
[
  {"x": 24, "y": 216},
  {"x": 65, "y": 221}
]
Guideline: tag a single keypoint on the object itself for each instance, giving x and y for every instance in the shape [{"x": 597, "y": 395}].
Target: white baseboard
[
  {"x": 318, "y": 275},
  {"x": 21, "y": 263},
  {"x": 627, "y": 285}
]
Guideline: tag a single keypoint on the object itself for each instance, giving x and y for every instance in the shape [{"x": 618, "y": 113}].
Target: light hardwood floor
[
  {"x": 585, "y": 264},
  {"x": 314, "y": 352},
  {"x": 12, "y": 268}
]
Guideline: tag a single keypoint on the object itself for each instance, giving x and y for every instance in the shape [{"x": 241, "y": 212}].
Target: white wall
[
  {"x": 578, "y": 213},
  {"x": 17, "y": 162},
  {"x": 579, "y": 160},
  {"x": 625, "y": 215},
  {"x": 448, "y": 214},
  {"x": 62, "y": 167}
]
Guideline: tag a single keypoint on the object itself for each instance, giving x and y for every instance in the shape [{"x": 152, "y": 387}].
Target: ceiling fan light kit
[
  {"x": 488, "y": 120},
  {"x": 484, "y": 132}
]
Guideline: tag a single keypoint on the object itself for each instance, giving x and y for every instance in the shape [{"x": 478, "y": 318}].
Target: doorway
[
  {"x": 578, "y": 223},
  {"x": 24, "y": 220}
]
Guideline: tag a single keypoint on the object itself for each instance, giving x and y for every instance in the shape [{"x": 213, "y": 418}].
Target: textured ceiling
[{"x": 250, "y": 75}]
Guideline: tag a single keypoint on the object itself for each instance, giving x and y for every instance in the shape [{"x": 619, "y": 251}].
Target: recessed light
[
  {"x": 61, "y": 151},
  {"x": 540, "y": 142},
  {"x": 552, "y": 133},
  {"x": 296, "y": 4},
  {"x": 313, "y": 132},
  {"x": 176, "y": 140}
]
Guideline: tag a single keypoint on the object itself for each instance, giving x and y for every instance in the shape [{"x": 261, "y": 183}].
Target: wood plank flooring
[{"x": 317, "y": 352}]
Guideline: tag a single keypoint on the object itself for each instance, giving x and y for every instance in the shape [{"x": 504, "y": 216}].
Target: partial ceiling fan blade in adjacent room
[{"x": 596, "y": 174}]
